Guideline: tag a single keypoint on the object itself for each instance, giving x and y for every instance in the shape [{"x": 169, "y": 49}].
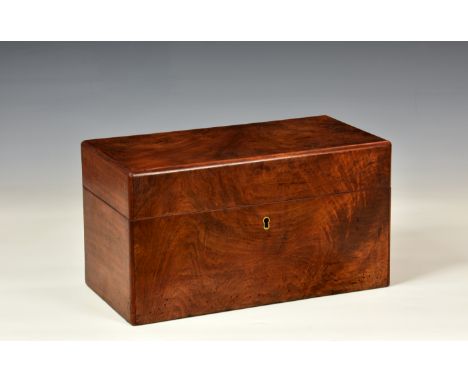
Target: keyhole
[{"x": 266, "y": 223}]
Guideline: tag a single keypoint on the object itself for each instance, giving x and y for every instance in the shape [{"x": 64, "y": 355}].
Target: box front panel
[{"x": 208, "y": 262}]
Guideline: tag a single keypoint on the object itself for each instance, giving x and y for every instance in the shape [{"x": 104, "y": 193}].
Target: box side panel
[
  {"x": 255, "y": 183},
  {"x": 107, "y": 254},
  {"x": 105, "y": 178},
  {"x": 194, "y": 264}
]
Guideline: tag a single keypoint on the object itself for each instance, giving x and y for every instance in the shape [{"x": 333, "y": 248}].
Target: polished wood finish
[
  {"x": 231, "y": 144},
  {"x": 210, "y": 262},
  {"x": 108, "y": 268},
  {"x": 261, "y": 182},
  {"x": 174, "y": 221},
  {"x": 105, "y": 178}
]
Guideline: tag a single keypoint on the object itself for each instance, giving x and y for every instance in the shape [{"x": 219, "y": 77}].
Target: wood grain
[
  {"x": 261, "y": 182},
  {"x": 216, "y": 261},
  {"x": 174, "y": 221},
  {"x": 108, "y": 261},
  {"x": 230, "y": 144},
  {"x": 105, "y": 178}
]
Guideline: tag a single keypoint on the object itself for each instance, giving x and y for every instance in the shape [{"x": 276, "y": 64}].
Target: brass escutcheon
[{"x": 266, "y": 223}]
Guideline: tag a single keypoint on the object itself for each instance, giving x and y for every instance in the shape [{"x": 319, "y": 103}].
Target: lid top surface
[{"x": 170, "y": 151}]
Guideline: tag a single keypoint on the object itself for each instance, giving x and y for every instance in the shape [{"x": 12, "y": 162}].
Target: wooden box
[{"x": 192, "y": 222}]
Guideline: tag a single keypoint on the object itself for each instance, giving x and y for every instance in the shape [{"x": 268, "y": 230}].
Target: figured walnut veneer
[{"x": 174, "y": 221}]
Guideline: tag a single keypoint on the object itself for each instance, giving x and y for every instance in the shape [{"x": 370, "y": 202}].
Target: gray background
[{"x": 54, "y": 95}]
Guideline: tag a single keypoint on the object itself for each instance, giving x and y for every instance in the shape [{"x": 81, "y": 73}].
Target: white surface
[
  {"x": 43, "y": 295},
  {"x": 212, "y": 20}
]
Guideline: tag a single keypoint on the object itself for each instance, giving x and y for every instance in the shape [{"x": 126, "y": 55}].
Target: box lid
[
  {"x": 175, "y": 150},
  {"x": 141, "y": 165}
]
